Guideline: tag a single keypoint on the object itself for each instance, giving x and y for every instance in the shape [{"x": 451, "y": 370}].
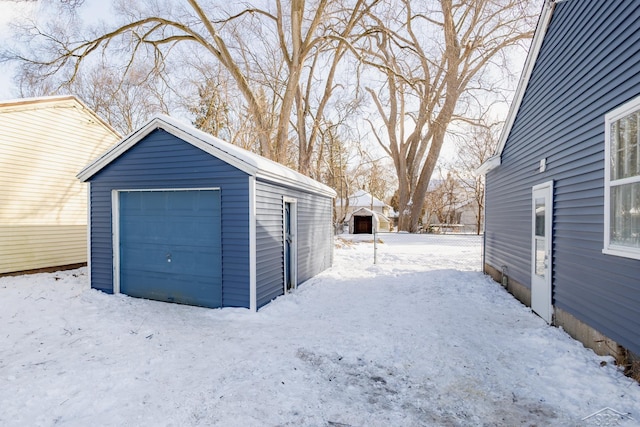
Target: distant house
[
  {"x": 563, "y": 191},
  {"x": 469, "y": 214},
  {"x": 449, "y": 206},
  {"x": 43, "y": 207},
  {"x": 366, "y": 221},
  {"x": 365, "y": 206},
  {"x": 180, "y": 216},
  {"x": 461, "y": 217}
]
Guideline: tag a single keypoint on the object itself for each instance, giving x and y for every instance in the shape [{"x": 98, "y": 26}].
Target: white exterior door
[{"x": 541, "y": 243}]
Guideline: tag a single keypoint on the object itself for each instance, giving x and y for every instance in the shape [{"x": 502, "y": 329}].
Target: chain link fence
[
  {"x": 455, "y": 250},
  {"x": 468, "y": 246}
]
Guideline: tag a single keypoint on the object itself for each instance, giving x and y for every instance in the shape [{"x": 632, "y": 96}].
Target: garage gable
[
  {"x": 165, "y": 165},
  {"x": 240, "y": 158}
]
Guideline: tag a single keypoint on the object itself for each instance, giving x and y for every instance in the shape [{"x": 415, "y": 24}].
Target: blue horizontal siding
[
  {"x": 589, "y": 64},
  {"x": 161, "y": 160},
  {"x": 314, "y": 237}
]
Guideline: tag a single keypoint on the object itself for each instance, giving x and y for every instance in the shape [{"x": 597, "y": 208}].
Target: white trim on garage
[
  {"x": 253, "y": 292},
  {"x": 115, "y": 233},
  {"x": 244, "y": 160},
  {"x": 89, "y": 231}
]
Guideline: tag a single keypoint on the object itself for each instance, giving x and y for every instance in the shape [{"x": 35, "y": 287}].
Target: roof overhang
[
  {"x": 532, "y": 56},
  {"x": 363, "y": 212},
  {"x": 490, "y": 163},
  {"x": 248, "y": 162}
]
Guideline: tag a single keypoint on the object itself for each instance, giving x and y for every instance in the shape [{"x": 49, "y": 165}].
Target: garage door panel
[
  {"x": 141, "y": 229},
  {"x": 187, "y": 231},
  {"x": 192, "y": 231},
  {"x": 175, "y": 259},
  {"x": 157, "y": 286},
  {"x": 170, "y": 246}
]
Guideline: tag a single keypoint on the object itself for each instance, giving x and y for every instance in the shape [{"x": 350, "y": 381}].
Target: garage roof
[{"x": 251, "y": 163}]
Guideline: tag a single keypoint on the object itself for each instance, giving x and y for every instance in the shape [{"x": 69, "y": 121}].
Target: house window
[{"x": 622, "y": 181}]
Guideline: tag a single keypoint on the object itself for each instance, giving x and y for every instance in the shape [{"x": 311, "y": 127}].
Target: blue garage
[{"x": 177, "y": 215}]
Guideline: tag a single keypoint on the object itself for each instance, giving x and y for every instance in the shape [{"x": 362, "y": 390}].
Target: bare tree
[
  {"x": 441, "y": 203},
  {"x": 324, "y": 65},
  {"x": 126, "y": 103},
  {"x": 433, "y": 58},
  {"x": 339, "y": 166},
  {"x": 333, "y": 165},
  {"x": 275, "y": 54},
  {"x": 474, "y": 148},
  {"x": 374, "y": 175},
  {"x": 380, "y": 178},
  {"x": 450, "y": 196}
]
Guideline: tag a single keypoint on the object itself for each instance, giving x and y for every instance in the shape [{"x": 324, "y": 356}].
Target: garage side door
[{"x": 170, "y": 246}]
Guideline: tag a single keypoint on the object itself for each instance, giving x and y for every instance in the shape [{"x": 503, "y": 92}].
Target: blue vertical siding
[
  {"x": 314, "y": 237},
  {"x": 589, "y": 64},
  {"x": 162, "y": 160}
]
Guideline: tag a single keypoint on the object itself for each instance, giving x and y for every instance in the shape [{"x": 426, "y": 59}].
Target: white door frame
[
  {"x": 542, "y": 251},
  {"x": 293, "y": 256}
]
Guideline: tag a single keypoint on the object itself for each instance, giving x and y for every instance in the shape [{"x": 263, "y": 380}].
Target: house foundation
[
  {"x": 45, "y": 269},
  {"x": 517, "y": 289},
  {"x": 578, "y": 330}
]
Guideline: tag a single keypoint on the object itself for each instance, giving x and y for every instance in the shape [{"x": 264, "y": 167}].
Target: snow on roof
[
  {"x": 251, "y": 163},
  {"x": 362, "y": 198},
  {"x": 362, "y": 212},
  {"x": 367, "y": 212}
]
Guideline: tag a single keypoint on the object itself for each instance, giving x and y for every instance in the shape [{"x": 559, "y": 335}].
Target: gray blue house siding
[
  {"x": 589, "y": 64},
  {"x": 314, "y": 237},
  {"x": 315, "y": 229},
  {"x": 163, "y": 161}
]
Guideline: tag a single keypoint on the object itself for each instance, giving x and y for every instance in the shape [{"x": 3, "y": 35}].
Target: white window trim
[{"x": 612, "y": 116}]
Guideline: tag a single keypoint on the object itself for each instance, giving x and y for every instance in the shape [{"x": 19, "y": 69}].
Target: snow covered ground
[{"x": 419, "y": 339}]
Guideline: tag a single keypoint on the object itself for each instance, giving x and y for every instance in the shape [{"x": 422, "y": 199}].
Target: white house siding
[{"x": 43, "y": 211}]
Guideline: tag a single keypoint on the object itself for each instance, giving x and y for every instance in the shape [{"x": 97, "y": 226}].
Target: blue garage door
[{"x": 170, "y": 246}]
